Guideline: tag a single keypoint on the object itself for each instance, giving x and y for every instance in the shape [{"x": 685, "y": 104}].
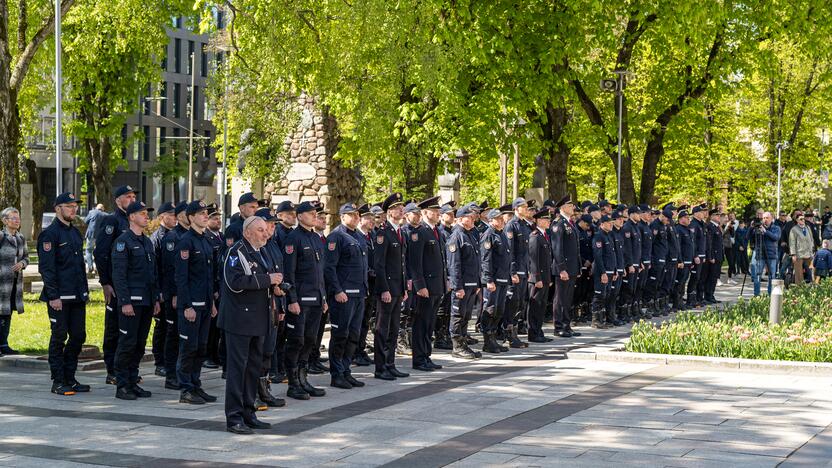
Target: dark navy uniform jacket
[
  {"x": 234, "y": 231},
  {"x": 480, "y": 227},
  {"x": 346, "y": 263},
  {"x": 389, "y": 258},
  {"x": 217, "y": 241},
  {"x": 566, "y": 249},
  {"x": 685, "y": 236},
  {"x": 245, "y": 302},
  {"x": 167, "y": 269},
  {"x": 280, "y": 233},
  {"x": 518, "y": 232},
  {"x": 158, "y": 247},
  {"x": 303, "y": 258},
  {"x": 368, "y": 241},
  {"x": 632, "y": 243},
  {"x": 111, "y": 227},
  {"x": 194, "y": 271},
  {"x": 621, "y": 254},
  {"x": 672, "y": 243},
  {"x": 463, "y": 259},
  {"x": 540, "y": 257},
  {"x": 61, "y": 263},
  {"x": 134, "y": 270},
  {"x": 495, "y": 255},
  {"x": 585, "y": 242},
  {"x": 700, "y": 244},
  {"x": 426, "y": 259},
  {"x": 660, "y": 240},
  {"x": 715, "y": 250},
  {"x": 646, "y": 243},
  {"x": 603, "y": 253}
]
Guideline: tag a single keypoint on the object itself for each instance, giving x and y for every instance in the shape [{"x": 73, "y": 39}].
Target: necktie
[
  {"x": 399, "y": 234},
  {"x": 546, "y": 236},
  {"x": 436, "y": 232}
]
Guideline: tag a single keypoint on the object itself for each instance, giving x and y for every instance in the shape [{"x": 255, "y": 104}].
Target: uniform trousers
[
  {"x": 386, "y": 332},
  {"x": 493, "y": 307},
  {"x": 110, "y": 341},
  {"x": 461, "y": 311},
  {"x": 244, "y": 363},
  {"x": 69, "y": 322},
  {"x": 160, "y": 331},
  {"x": 345, "y": 328},
  {"x": 193, "y": 347},
  {"x": 301, "y": 335},
  {"x": 517, "y": 302},
  {"x": 132, "y": 340},
  {"x": 564, "y": 295},
  {"x": 171, "y": 338},
  {"x": 693, "y": 281},
  {"x": 424, "y": 319},
  {"x": 537, "y": 308}
]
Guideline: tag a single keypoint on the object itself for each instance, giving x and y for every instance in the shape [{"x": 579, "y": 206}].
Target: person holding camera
[
  {"x": 766, "y": 236},
  {"x": 801, "y": 246}
]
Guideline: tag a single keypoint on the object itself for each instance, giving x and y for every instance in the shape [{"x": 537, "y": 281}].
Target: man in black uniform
[
  {"x": 517, "y": 232},
  {"x": 632, "y": 241},
  {"x": 111, "y": 227},
  {"x": 65, "y": 291},
  {"x": 413, "y": 218},
  {"x": 137, "y": 293},
  {"x": 495, "y": 259},
  {"x": 441, "y": 328},
  {"x": 685, "y": 233},
  {"x": 304, "y": 263},
  {"x": 463, "y": 276},
  {"x": 366, "y": 229},
  {"x": 428, "y": 273},
  {"x": 617, "y": 237},
  {"x": 167, "y": 221},
  {"x": 699, "y": 239},
  {"x": 391, "y": 288},
  {"x": 715, "y": 256},
  {"x": 345, "y": 275},
  {"x": 566, "y": 266},
  {"x": 603, "y": 269},
  {"x": 167, "y": 284},
  {"x": 285, "y": 212},
  {"x": 673, "y": 264},
  {"x": 249, "y": 283},
  {"x": 195, "y": 303},
  {"x": 583, "y": 286},
  {"x": 315, "y": 363},
  {"x": 652, "y": 290},
  {"x": 215, "y": 358},
  {"x": 540, "y": 275}
]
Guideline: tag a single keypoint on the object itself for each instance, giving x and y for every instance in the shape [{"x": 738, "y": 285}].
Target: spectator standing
[
  {"x": 741, "y": 248},
  {"x": 91, "y": 220},
  {"x": 14, "y": 257},
  {"x": 801, "y": 247},
  {"x": 823, "y": 261}
]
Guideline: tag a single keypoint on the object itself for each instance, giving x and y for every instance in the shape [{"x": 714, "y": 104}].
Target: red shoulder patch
[
  {"x": 184, "y": 254},
  {"x": 47, "y": 246},
  {"x": 332, "y": 246},
  {"x": 290, "y": 249},
  {"x": 229, "y": 242}
]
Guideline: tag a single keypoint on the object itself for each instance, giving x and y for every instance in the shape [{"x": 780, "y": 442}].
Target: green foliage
[
  {"x": 30, "y": 331},
  {"x": 742, "y": 330}
]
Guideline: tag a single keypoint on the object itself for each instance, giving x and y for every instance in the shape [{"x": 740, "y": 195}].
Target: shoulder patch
[
  {"x": 184, "y": 254},
  {"x": 233, "y": 260},
  {"x": 599, "y": 244},
  {"x": 332, "y": 246},
  {"x": 655, "y": 232},
  {"x": 510, "y": 235},
  {"x": 229, "y": 242},
  {"x": 379, "y": 240},
  {"x": 451, "y": 248},
  {"x": 290, "y": 249},
  {"x": 170, "y": 246},
  {"x": 487, "y": 245},
  {"x": 627, "y": 235},
  {"x": 555, "y": 228},
  {"x": 109, "y": 229},
  {"x": 414, "y": 236},
  {"x": 120, "y": 246},
  {"x": 47, "y": 246}
]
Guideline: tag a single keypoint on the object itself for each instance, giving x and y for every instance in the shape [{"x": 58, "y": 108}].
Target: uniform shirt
[
  {"x": 646, "y": 242},
  {"x": 566, "y": 251},
  {"x": 685, "y": 235},
  {"x": 134, "y": 270},
  {"x": 389, "y": 260},
  {"x": 632, "y": 241},
  {"x": 463, "y": 259},
  {"x": 672, "y": 243},
  {"x": 245, "y": 302},
  {"x": 61, "y": 263},
  {"x": 234, "y": 231},
  {"x": 426, "y": 259},
  {"x": 368, "y": 241},
  {"x": 622, "y": 255},
  {"x": 303, "y": 258},
  {"x": 111, "y": 227},
  {"x": 715, "y": 251},
  {"x": 603, "y": 253},
  {"x": 495, "y": 255},
  {"x": 167, "y": 269},
  {"x": 585, "y": 242},
  {"x": 699, "y": 240},
  {"x": 659, "y": 241},
  {"x": 346, "y": 263},
  {"x": 540, "y": 257},
  {"x": 517, "y": 232},
  {"x": 280, "y": 233},
  {"x": 194, "y": 271}
]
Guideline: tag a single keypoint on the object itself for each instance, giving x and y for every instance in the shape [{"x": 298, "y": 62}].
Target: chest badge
[
  {"x": 120, "y": 246},
  {"x": 184, "y": 254},
  {"x": 599, "y": 244},
  {"x": 332, "y": 246},
  {"x": 414, "y": 237},
  {"x": 452, "y": 248},
  {"x": 229, "y": 242},
  {"x": 169, "y": 246},
  {"x": 487, "y": 245},
  {"x": 47, "y": 246},
  {"x": 290, "y": 249},
  {"x": 109, "y": 229},
  {"x": 380, "y": 240},
  {"x": 510, "y": 235}
]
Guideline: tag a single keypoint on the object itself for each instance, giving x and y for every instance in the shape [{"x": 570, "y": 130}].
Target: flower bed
[{"x": 742, "y": 330}]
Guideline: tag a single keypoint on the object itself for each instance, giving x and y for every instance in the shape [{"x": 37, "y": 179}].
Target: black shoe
[
  {"x": 573, "y": 332},
  {"x": 361, "y": 361},
  {"x": 422, "y": 367},
  {"x": 161, "y": 371},
  {"x": 191, "y": 398},
  {"x": 111, "y": 380},
  {"x": 239, "y": 429},
  {"x": 9, "y": 352},
  {"x": 565, "y": 334},
  {"x": 338, "y": 381},
  {"x": 307, "y": 387},
  {"x": 172, "y": 384},
  {"x": 434, "y": 365},
  {"x": 353, "y": 381},
  {"x": 397, "y": 373},
  {"x": 384, "y": 375},
  {"x": 60, "y": 388},
  {"x": 208, "y": 398},
  {"x": 280, "y": 377},
  {"x": 209, "y": 364},
  {"x": 316, "y": 368},
  {"x": 295, "y": 389},
  {"x": 258, "y": 424},
  {"x": 471, "y": 340},
  {"x": 126, "y": 393},
  {"x": 78, "y": 387},
  {"x": 140, "y": 392},
  {"x": 537, "y": 339},
  {"x": 260, "y": 405}
]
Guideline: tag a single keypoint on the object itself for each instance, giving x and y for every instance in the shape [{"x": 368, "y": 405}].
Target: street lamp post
[
  {"x": 780, "y": 147},
  {"x": 59, "y": 79},
  {"x": 140, "y": 153},
  {"x": 822, "y": 146},
  {"x": 191, "y": 134}
]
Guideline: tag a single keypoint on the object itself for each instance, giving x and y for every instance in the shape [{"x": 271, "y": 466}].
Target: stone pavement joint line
[
  {"x": 96, "y": 457},
  {"x": 474, "y": 441},
  {"x": 817, "y": 448}
]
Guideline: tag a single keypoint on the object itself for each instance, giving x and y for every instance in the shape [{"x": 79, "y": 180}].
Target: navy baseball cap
[
  {"x": 195, "y": 207},
  {"x": 593, "y": 207},
  {"x": 603, "y": 203},
  {"x": 604, "y": 219},
  {"x": 135, "y": 207},
  {"x": 66, "y": 197},
  {"x": 446, "y": 208},
  {"x": 249, "y": 197},
  {"x": 682, "y": 214},
  {"x": 465, "y": 210},
  {"x": 412, "y": 208},
  {"x": 180, "y": 207},
  {"x": 616, "y": 215},
  {"x": 285, "y": 206},
  {"x": 166, "y": 207},
  {"x": 347, "y": 208},
  {"x": 304, "y": 207},
  {"x": 124, "y": 189},
  {"x": 697, "y": 209},
  {"x": 493, "y": 213},
  {"x": 266, "y": 214},
  {"x": 376, "y": 210},
  {"x": 586, "y": 218}
]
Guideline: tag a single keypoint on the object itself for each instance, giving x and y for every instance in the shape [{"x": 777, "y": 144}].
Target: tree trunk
[
  {"x": 37, "y": 200},
  {"x": 9, "y": 147},
  {"x": 99, "y": 154},
  {"x": 555, "y": 150}
]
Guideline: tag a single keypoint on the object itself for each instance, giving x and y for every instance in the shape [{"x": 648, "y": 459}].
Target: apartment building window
[
  {"x": 163, "y": 103},
  {"x": 190, "y": 54},
  {"x": 204, "y": 60},
  {"x": 177, "y": 55},
  {"x": 177, "y": 95},
  {"x": 160, "y": 142},
  {"x": 196, "y": 103},
  {"x": 146, "y": 145},
  {"x": 207, "y": 144},
  {"x": 164, "y": 63}
]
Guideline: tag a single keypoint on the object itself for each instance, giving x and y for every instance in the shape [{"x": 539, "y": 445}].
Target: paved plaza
[{"x": 525, "y": 408}]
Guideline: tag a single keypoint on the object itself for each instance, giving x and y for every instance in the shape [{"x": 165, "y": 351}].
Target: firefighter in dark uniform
[
  {"x": 699, "y": 250},
  {"x": 428, "y": 273},
  {"x": 632, "y": 241},
  {"x": 285, "y": 212},
  {"x": 216, "y": 355},
  {"x": 195, "y": 303},
  {"x": 65, "y": 291},
  {"x": 464, "y": 278},
  {"x": 517, "y": 232},
  {"x": 495, "y": 259},
  {"x": 603, "y": 269},
  {"x": 652, "y": 290},
  {"x": 540, "y": 275},
  {"x": 167, "y": 285},
  {"x": 111, "y": 227},
  {"x": 345, "y": 275},
  {"x": 303, "y": 258},
  {"x": 167, "y": 221},
  {"x": 391, "y": 288},
  {"x": 715, "y": 256},
  {"x": 366, "y": 229},
  {"x": 646, "y": 215},
  {"x": 249, "y": 283},
  {"x": 621, "y": 255},
  {"x": 566, "y": 266},
  {"x": 441, "y": 329},
  {"x": 413, "y": 218},
  {"x": 137, "y": 293},
  {"x": 583, "y": 287},
  {"x": 685, "y": 233},
  {"x": 248, "y": 205},
  {"x": 673, "y": 264}
]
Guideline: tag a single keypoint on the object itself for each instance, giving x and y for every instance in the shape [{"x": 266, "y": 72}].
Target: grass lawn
[{"x": 30, "y": 330}]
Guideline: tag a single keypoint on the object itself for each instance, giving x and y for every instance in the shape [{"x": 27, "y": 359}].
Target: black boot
[
  {"x": 461, "y": 349},
  {"x": 338, "y": 381},
  {"x": 489, "y": 343},
  {"x": 266, "y": 396},
  {"x": 597, "y": 321},
  {"x": 295, "y": 389},
  {"x": 442, "y": 341},
  {"x": 307, "y": 387},
  {"x": 516, "y": 342}
]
